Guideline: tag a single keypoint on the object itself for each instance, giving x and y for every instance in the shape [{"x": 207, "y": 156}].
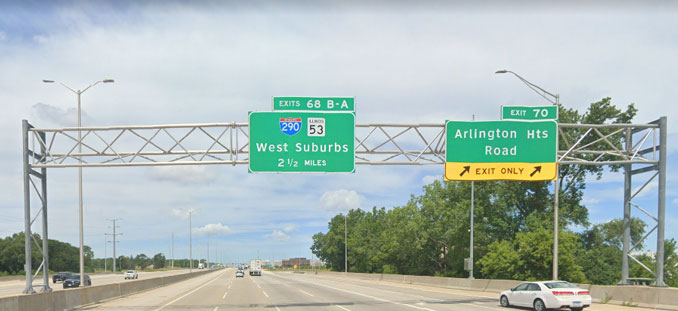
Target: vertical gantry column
[
  {"x": 28, "y": 268},
  {"x": 626, "y": 237},
  {"x": 661, "y": 206},
  {"x": 45, "y": 236}
]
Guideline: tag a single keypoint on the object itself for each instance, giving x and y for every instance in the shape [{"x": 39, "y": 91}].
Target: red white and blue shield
[{"x": 290, "y": 126}]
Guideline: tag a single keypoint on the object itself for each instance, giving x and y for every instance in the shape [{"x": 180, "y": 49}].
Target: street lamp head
[
  {"x": 48, "y": 81},
  {"x": 108, "y": 81},
  {"x": 501, "y": 71}
]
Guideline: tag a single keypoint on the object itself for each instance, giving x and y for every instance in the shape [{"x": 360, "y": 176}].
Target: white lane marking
[
  {"x": 215, "y": 308},
  {"x": 306, "y": 293},
  {"x": 224, "y": 296},
  {"x": 191, "y": 292},
  {"x": 258, "y": 285},
  {"x": 371, "y": 297},
  {"x": 340, "y": 307},
  {"x": 265, "y": 294},
  {"x": 276, "y": 308}
]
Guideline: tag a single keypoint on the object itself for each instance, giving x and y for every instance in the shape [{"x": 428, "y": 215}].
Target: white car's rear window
[{"x": 560, "y": 285}]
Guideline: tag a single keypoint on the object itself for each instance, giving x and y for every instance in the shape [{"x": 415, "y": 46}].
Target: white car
[
  {"x": 546, "y": 295},
  {"x": 131, "y": 274}
]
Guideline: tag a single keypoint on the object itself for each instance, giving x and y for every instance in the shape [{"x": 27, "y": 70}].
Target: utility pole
[
  {"x": 114, "y": 239},
  {"x": 105, "y": 251},
  {"x": 470, "y": 272},
  {"x": 345, "y": 245},
  {"x": 207, "y": 264},
  {"x": 172, "y": 250},
  {"x": 190, "y": 234}
]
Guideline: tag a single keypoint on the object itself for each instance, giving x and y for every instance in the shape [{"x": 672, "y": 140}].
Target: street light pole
[
  {"x": 190, "y": 234},
  {"x": 345, "y": 245},
  {"x": 80, "y": 212},
  {"x": 556, "y": 184}
]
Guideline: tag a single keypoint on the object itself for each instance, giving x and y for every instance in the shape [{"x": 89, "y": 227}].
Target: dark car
[
  {"x": 61, "y": 276},
  {"x": 74, "y": 280}
]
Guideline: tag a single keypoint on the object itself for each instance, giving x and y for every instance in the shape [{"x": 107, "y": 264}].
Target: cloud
[
  {"x": 340, "y": 200},
  {"x": 212, "y": 229},
  {"x": 590, "y": 201},
  {"x": 427, "y": 180},
  {"x": 185, "y": 174},
  {"x": 290, "y": 227},
  {"x": 675, "y": 201},
  {"x": 3, "y": 36},
  {"x": 278, "y": 236},
  {"x": 183, "y": 214},
  {"x": 59, "y": 116}
]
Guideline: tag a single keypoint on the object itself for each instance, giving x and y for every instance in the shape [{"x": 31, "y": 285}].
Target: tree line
[
  {"x": 513, "y": 230},
  {"x": 66, "y": 257}
]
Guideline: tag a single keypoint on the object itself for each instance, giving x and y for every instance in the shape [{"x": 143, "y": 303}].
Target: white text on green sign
[
  {"x": 302, "y": 142},
  {"x": 501, "y": 141},
  {"x": 330, "y": 104},
  {"x": 529, "y": 112}
]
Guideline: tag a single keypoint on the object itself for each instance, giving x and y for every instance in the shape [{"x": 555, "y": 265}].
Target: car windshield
[
  {"x": 130, "y": 271},
  {"x": 74, "y": 276},
  {"x": 559, "y": 285}
]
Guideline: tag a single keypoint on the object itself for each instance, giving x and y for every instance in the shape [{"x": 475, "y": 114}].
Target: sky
[{"x": 214, "y": 61}]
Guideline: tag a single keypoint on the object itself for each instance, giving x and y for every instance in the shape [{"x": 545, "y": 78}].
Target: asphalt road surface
[
  {"x": 16, "y": 287},
  {"x": 284, "y": 291}
]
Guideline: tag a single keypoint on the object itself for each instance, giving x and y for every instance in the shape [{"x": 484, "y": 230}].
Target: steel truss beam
[{"x": 375, "y": 144}]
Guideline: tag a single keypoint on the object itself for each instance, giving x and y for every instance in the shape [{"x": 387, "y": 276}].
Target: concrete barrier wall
[
  {"x": 71, "y": 298},
  {"x": 656, "y": 297}
]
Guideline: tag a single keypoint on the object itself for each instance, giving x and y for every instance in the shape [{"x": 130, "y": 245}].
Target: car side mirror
[{"x": 513, "y": 289}]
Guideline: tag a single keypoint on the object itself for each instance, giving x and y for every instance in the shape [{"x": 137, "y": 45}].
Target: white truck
[{"x": 255, "y": 267}]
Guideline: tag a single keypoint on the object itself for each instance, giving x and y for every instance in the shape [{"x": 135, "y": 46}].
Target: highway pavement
[
  {"x": 284, "y": 291},
  {"x": 16, "y": 287}
]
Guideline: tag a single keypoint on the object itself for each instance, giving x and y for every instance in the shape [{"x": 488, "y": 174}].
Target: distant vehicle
[
  {"x": 61, "y": 276},
  {"x": 73, "y": 280},
  {"x": 239, "y": 274},
  {"x": 201, "y": 266},
  {"x": 131, "y": 274},
  {"x": 255, "y": 267},
  {"x": 546, "y": 295}
]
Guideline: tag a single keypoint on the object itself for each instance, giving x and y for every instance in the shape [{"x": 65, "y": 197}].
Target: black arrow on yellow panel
[
  {"x": 466, "y": 170},
  {"x": 536, "y": 170}
]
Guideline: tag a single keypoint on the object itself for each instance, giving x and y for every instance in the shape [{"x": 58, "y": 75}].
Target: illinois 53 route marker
[
  {"x": 501, "y": 150},
  {"x": 302, "y": 142}
]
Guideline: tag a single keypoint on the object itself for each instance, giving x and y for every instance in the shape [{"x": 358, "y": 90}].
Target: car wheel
[
  {"x": 539, "y": 305},
  {"x": 576, "y": 309},
  {"x": 504, "y": 301}
]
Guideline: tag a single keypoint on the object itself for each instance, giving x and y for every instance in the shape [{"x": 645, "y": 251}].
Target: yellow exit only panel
[{"x": 500, "y": 171}]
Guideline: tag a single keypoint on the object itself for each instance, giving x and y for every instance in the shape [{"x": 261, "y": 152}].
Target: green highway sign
[
  {"x": 529, "y": 112},
  {"x": 501, "y": 150},
  {"x": 311, "y": 142},
  {"x": 328, "y": 104}
]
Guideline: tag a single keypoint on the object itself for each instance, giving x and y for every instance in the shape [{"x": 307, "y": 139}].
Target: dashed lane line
[
  {"x": 265, "y": 294},
  {"x": 368, "y": 296},
  {"x": 340, "y": 307},
  {"x": 224, "y": 296},
  {"x": 191, "y": 292},
  {"x": 306, "y": 293},
  {"x": 430, "y": 298}
]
